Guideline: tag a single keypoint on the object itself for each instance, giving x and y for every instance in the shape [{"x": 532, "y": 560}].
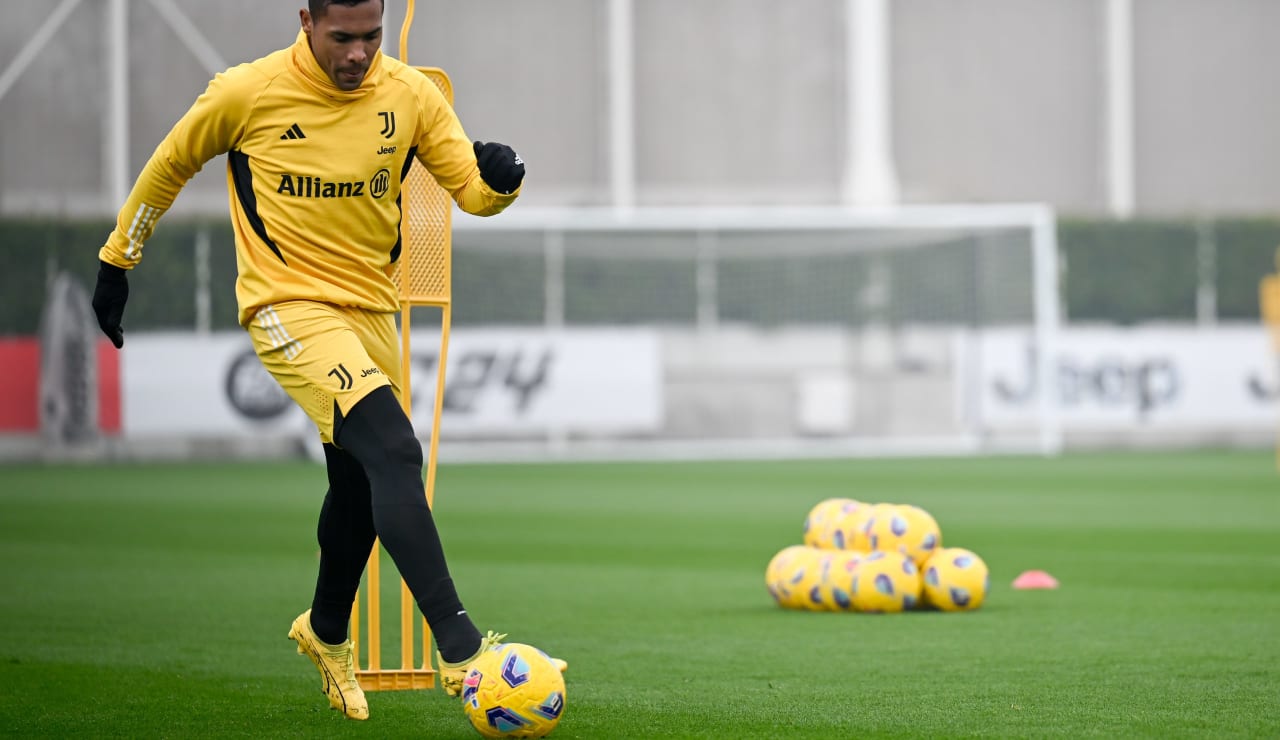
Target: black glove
[
  {"x": 109, "y": 296},
  {"x": 500, "y": 166}
]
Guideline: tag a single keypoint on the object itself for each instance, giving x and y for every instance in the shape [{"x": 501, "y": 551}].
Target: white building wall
[{"x": 736, "y": 101}]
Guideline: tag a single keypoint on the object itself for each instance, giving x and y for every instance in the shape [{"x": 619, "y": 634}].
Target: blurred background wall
[
  {"x": 731, "y": 101},
  {"x": 1140, "y": 131}
]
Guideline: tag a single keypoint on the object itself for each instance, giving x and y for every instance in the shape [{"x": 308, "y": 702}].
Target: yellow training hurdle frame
[{"x": 423, "y": 276}]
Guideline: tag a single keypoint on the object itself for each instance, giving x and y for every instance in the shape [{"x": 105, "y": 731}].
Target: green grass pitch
[{"x": 153, "y": 601}]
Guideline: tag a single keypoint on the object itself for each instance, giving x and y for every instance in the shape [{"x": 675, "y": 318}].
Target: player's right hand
[
  {"x": 500, "y": 166},
  {"x": 109, "y": 297}
]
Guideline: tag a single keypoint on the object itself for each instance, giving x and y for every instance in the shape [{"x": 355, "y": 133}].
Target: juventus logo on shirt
[{"x": 388, "y": 124}]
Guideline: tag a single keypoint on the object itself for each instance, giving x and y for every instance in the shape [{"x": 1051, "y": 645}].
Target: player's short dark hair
[{"x": 318, "y": 7}]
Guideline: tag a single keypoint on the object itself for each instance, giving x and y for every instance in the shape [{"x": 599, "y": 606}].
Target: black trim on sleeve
[
  {"x": 242, "y": 176},
  {"x": 404, "y": 174}
]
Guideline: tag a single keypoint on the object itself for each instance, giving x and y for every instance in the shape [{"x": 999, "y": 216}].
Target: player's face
[{"x": 344, "y": 40}]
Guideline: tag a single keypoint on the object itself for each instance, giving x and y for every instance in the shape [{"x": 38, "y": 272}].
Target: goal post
[{"x": 880, "y": 330}]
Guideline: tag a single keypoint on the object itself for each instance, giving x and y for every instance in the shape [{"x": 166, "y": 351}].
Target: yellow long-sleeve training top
[{"x": 313, "y": 175}]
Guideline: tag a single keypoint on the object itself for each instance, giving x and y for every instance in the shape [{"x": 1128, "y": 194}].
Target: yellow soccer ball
[
  {"x": 822, "y": 517},
  {"x": 837, "y": 581},
  {"x": 780, "y": 563},
  {"x": 885, "y": 581},
  {"x": 805, "y": 581},
  {"x": 849, "y": 532},
  {"x": 811, "y": 591},
  {"x": 907, "y": 529},
  {"x": 955, "y": 579},
  {"x": 798, "y": 572},
  {"x": 513, "y": 690},
  {"x": 833, "y": 591}
]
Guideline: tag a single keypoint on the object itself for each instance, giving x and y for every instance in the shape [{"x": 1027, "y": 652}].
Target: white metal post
[
  {"x": 1119, "y": 125},
  {"x": 707, "y": 281},
  {"x": 115, "y": 126},
  {"x": 553, "y": 278},
  {"x": 1206, "y": 274},
  {"x": 870, "y": 177},
  {"x": 190, "y": 35},
  {"x": 204, "y": 277},
  {"x": 35, "y": 44},
  {"x": 622, "y": 165},
  {"x": 1045, "y": 296}
]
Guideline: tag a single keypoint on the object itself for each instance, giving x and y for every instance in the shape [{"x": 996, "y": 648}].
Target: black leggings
[{"x": 376, "y": 489}]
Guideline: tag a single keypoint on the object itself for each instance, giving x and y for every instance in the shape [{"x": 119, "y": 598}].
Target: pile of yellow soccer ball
[{"x": 875, "y": 558}]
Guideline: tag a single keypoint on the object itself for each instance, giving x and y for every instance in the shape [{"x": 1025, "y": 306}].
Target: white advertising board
[
  {"x": 1118, "y": 378},
  {"x": 498, "y": 381}
]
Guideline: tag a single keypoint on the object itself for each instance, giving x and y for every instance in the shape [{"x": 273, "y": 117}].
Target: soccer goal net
[{"x": 795, "y": 331}]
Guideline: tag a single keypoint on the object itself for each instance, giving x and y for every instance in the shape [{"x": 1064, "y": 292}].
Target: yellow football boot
[
  {"x": 337, "y": 666},
  {"x": 452, "y": 674}
]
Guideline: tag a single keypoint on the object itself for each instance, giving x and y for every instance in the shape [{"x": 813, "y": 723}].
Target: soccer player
[{"x": 319, "y": 137}]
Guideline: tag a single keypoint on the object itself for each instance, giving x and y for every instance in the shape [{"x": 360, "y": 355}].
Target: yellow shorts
[{"x": 327, "y": 356}]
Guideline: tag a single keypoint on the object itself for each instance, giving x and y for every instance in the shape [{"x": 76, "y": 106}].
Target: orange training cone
[{"x": 1035, "y": 579}]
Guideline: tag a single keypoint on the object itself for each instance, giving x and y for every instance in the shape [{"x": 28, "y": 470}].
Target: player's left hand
[
  {"x": 500, "y": 166},
  {"x": 109, "y": 297}
]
